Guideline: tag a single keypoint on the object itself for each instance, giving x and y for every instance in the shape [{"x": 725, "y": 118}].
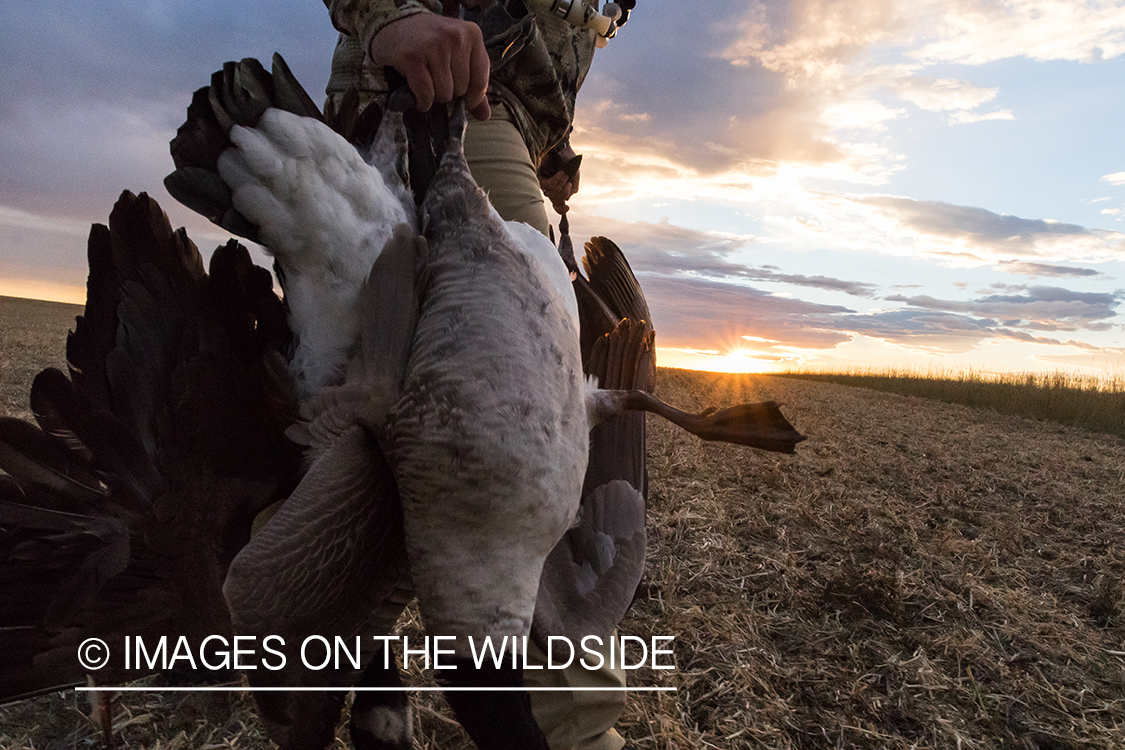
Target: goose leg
[
  {"x": 381, "y": 720},
  {"x": 496, "y": 720}
]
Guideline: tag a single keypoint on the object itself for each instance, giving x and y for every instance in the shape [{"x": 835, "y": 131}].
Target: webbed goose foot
[{"x": 759, "y": 425}]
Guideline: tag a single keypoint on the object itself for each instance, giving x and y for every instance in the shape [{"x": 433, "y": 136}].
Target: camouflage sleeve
[{"x": 362, "y": 19}]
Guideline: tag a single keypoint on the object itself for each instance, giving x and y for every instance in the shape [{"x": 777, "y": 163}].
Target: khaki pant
[
  {"x": 581, "y": 719},
  {"x": 500, "y": 164}
]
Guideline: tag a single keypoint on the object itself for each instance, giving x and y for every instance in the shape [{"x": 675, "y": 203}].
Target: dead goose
[
  {"x": 487, "y": 441},
  {"x": 491, "y": 387}
]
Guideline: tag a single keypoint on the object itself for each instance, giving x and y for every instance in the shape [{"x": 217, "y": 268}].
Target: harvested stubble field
[{"x": 918, "y": 575}]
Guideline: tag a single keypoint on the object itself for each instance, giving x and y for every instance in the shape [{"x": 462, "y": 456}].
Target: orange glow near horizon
[
  {"x": 710, "y": 360},
  {"x": 43, "y": 290},
  {"x": 860, "y": 354}
]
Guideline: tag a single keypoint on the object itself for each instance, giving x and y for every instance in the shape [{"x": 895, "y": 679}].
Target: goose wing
[
  {"x": 322, "y": 564},
  {"x": 126, "y": 504},
  {"x": 590, "y": 576},
  {"x": 239, "y": 94}
]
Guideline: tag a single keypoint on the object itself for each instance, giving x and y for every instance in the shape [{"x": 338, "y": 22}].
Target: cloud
[
  {"x": 1029, "y": 339},
  {"x": 93, "y": 92},
  {"x": 922, "y": 330},
  {"x": 668, "y": 250},
  {"x": 944, "y": 333},
  {"x": 1107, "y": 360},
  {"x": 1024, "y": 268},
  {"x": 949, "y": 95},
  {"x": 973, "y": 33},
  {"x": 691, "y": 312},
  {"x": 135, "y": 49},
  {"x": 36, "y": 247},
  {"x": 942, "y": 94},
  {"x": 1117, "y": 178},
  {"x": 962, "y": 118},
  {"x": 982, "y": 232},
  {"x": 860, "y": 114},
  {"x": 979, "y": 225},
  {"x": 809, "y": 39},
  {"x": 76, "y": 158},
  {"x": 1043, "y": 308}
]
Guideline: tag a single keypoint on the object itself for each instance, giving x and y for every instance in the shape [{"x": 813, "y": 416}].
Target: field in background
[
  {"x": 918, "y": 575},
  {"x": 32, "y": 336},
  {"x": 1093, "y": 403}
]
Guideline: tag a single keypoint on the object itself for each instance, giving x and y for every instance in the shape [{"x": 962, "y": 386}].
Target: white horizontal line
[{"x": 233, "y": 689}]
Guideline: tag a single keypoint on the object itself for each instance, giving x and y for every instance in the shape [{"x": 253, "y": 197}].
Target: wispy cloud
[
  {"x": 667, "y": 250},
  {"x": 922, "y": 330},
  {"x": 1024, "y": 268},
  {"x": 724, "y": 313},
  {"x": 976, "y": 234},
  {"x": 93, "y": 92},
  {"x": 942, "y": 94},
  {"x": 962, "y": 118},
  {"x": 810, "y": 38},
  {"x": 1044, "y": 308}
]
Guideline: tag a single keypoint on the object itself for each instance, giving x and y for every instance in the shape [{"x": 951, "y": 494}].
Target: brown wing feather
[{"x": 121, "y": 515}]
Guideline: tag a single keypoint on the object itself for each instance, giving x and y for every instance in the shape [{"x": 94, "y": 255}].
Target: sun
[{"x": 712, "y": 360}]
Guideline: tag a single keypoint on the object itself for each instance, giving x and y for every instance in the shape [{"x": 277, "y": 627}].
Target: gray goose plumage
[{"x": 480, "y": 417}]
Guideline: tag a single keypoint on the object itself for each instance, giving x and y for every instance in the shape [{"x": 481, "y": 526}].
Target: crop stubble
[{"x": 918, "y": 575}]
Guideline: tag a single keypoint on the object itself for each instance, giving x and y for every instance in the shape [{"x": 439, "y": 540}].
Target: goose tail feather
[{"x": 239, "y": 94}]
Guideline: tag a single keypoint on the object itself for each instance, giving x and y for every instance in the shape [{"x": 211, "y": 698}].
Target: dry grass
[
  {"x": 1087, "y": 401},
  {"x": 918, "y": 575}
]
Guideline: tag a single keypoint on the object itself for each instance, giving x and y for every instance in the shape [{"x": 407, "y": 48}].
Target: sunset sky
[{"x": 936, "y": 183}]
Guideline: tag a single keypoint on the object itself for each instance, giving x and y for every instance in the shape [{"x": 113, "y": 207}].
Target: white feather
[{"x": 325, "y": 215}]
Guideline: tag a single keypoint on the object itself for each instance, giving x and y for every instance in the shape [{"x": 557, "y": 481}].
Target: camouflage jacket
[{"x": 538, "y": 84}]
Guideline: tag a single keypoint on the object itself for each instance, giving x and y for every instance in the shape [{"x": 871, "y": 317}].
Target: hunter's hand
[
  {"x": 441, "y": 59},
  {"x": 558, "y": 188}
]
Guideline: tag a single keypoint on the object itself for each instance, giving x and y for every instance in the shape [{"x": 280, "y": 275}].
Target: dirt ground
[{"x": 918, "y": 575}]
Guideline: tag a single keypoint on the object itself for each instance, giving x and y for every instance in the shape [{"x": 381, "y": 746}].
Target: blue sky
[{"x": 929, "y": 184}]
